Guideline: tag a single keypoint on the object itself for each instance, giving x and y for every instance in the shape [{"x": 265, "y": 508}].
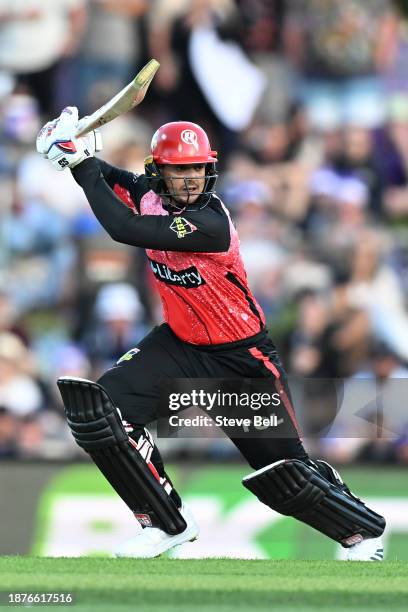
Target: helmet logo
[{"x": 190, "y": 138}]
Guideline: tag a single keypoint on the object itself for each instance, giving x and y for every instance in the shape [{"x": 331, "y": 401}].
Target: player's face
[{"x": 185, "y": 182}]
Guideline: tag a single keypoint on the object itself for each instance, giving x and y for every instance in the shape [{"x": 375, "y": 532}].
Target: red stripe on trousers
[
  {"x": 288, "y": 405},
  {"x": 278, "y": 384},
  {"x": 267, "y": 362}
]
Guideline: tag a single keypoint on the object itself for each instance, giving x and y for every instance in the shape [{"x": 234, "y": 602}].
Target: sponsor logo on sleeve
[
  {"x": 182, "y": 227},
  {"x": 127, "y": 356}
]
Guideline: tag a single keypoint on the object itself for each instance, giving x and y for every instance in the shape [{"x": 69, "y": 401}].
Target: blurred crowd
[{"x": 307, "y": 104}]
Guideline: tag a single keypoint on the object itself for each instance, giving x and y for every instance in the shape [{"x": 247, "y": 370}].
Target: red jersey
[{"x": 194, "y": 255}]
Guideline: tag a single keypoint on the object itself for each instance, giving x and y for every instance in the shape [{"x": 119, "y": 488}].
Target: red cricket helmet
[
  {"x": 182, "y": 142},
  {"x": 178, "y": 143}
]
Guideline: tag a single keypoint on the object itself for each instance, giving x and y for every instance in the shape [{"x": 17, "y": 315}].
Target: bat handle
[{"x": 82, "y": 127}]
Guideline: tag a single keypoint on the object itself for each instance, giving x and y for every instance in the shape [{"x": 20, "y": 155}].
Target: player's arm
[
  {"x": 57, "y": 142},
  {"x": 115, "y": 176},
  {"x": 206, "y": 230},
  {"x": 203, "y": 231},
  {"x": 130, "y": 187}
]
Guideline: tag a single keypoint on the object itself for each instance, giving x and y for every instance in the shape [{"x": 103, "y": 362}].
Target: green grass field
[{"x": 210, "y": 585}]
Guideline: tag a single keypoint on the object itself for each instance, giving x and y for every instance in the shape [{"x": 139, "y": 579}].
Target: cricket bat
[{"x": 129, "y": 97}]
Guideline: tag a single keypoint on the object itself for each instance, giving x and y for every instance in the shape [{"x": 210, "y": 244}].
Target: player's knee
[
  {"x": 112, "y": 385},
  {"x": 123, "y": 399}
]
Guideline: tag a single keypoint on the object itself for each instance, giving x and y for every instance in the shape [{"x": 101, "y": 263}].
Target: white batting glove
[{"x": 56, "y": 141}]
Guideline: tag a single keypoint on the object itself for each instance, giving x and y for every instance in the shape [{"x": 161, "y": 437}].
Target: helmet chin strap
[{"x": 173, "y": 207}]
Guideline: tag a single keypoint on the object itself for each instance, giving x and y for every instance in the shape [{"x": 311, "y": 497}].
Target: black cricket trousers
[{"x": 134, "y": 386}]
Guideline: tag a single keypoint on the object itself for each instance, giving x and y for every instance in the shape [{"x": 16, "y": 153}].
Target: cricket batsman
[{"x": 214, "y": 328}]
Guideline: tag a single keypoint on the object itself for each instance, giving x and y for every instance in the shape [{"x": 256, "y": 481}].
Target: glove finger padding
[
  {"x": 56, "y": 141},
  {"x": 42, "y": 144},
  {"x": 60, "y": 128},
  {"x": 69, "y": 116}
]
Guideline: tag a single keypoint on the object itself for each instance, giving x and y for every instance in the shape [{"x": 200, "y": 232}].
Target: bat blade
[{"x": 129, "y": 97}]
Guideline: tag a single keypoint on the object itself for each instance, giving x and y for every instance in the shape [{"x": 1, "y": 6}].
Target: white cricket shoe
[
  {"x": 367, "y": 550},
  {"x": 152, "y": 541}
]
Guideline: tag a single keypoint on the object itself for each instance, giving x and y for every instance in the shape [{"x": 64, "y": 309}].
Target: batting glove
[{"x": 56, "y": 141}]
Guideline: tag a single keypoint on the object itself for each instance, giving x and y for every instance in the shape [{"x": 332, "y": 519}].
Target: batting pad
[
  {"x": 296, "y": 489},
  {"x": 97, "y": 428}
]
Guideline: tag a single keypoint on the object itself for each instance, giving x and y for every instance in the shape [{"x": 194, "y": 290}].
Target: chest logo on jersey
[
  {"x": 182, "y": 227},
  {"x": 188, "y": 278}
]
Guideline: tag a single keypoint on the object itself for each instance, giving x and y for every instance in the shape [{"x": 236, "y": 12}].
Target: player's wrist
[{"x": 84, "y": 168}]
